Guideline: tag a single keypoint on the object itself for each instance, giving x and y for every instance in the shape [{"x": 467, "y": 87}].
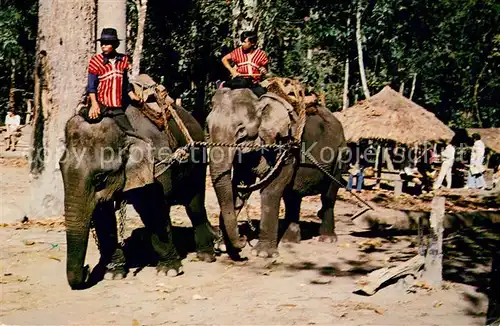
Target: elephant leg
[
  {"x": 327, "y": 229},
  {"x": 112, "y": 256},
  {"x": 204, "y": 235},
  {"x": 154, "y": 211},
  {"x": 270, "y": 203},
  {"x": 291, "y": 228}
]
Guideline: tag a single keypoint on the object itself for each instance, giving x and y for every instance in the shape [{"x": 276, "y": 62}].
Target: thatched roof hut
[
  {"x": 489, "y": 136},
  {"x": 389, "y": 115}
]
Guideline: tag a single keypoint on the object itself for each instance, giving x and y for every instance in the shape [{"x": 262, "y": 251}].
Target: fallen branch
[{"x": 377, "y": 278}]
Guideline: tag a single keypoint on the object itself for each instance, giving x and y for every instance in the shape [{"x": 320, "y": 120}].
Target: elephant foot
[
  {"x": 117, "y": 268},
  {"x": 328, "y": 237},
  {"x": 205, "y": 237},
  {"x": 116, "y": 271},
  {"x": 292, "y": 233},
  {"x": 327, "y": 233},
  {"x": 170, "y": 268},
  {"x": 208, "y": 257},
  {"x": 265, "y": 250}
]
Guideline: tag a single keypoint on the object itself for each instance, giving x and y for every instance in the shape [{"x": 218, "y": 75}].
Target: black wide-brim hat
[{"x": 109, "y": 35}]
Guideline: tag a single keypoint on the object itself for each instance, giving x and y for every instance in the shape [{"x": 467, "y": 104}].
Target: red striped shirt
[
  {"x": 110, "y": 87},
  {"x": 249, "y": 63}
]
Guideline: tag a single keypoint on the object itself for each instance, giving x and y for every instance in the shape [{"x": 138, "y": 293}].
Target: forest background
[{"x": 444, "y": 55}]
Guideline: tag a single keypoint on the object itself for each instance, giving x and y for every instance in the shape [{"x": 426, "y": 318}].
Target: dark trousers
[
  {"x": 120, "y": 118},
  {"x": 242, "y": 82}
]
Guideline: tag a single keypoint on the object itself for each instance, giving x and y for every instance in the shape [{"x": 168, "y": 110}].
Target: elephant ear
[
  {"x": 139, "y": 167},
  {"x": 278, "y": 118}
]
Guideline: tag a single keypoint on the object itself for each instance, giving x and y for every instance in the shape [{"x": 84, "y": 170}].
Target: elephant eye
[
  {"x": 241, "y": 133},
  {"x": 100, "y": 180}
]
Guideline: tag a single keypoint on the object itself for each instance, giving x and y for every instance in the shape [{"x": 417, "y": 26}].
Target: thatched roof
[
  {"x": 389, "y": 115},
  {"x": 489, "y": 136}
]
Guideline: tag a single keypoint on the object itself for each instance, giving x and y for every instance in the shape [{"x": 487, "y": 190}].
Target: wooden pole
[
  {"x": 378, "y": 165},
  {"x": 433, "y": 272}
]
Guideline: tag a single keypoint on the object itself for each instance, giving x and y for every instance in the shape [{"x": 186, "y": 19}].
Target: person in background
[
  {"x": 447, "y": 160},
  {"x": 475, "y": 178},
  {"x": 357, "y": 170},
  {"x": 12, "y": 123}
]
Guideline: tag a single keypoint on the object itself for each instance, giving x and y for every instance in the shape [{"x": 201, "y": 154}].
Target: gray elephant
[
  {"x": 239, "y": 117},
  {"x": 102, "y": 165}
]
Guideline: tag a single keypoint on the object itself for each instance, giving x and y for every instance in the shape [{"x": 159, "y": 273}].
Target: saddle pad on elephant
[
  {"x": 293, "y": 92},
  {"x": 155, "y": 98}
]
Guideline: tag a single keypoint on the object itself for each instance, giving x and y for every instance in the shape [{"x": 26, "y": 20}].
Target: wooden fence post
[{"x": 433, "y": 271}]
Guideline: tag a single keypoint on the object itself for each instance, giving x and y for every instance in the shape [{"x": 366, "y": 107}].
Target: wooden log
[
  {"x": 377, "y": 278},
  {"x": 433, "y": 272}
]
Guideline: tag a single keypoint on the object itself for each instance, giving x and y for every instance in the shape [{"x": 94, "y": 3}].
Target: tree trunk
[
  {"x": 402, "y": 88},
  {"x": 359, "y": 42},
  {"x": 113, "y": 13},
  {"x": 142, "y": 7},
  {"x": 345, "y": 97},
  {"x": 476, "y": 96},
  {"x": 413, "y": 85},
  {"x": 12, "y": 91},
  {"x": 245, "y": 17},
  {"x": 66, "y": 29}
]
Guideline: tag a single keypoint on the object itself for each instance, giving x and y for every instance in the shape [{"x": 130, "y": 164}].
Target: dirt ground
[{"x": 310, "y": 283}]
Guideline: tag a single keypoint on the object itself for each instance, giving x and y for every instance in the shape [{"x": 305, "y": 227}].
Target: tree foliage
[
  {"x": 452, "y": 47},
  {"x": 18, "y": 22}
]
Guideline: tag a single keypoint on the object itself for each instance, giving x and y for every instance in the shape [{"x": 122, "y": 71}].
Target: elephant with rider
[
  {"x": 103, "y": 166},
  {"x": 239, "y": 117}
]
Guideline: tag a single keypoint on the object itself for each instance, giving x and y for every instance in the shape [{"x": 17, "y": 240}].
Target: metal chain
[
  {"x": 249, "y": 220},
  {"x": 122, "y": 215},
  {"x": 94, "y": 235}
]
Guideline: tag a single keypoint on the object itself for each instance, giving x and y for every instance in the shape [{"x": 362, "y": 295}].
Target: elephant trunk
[
  {"x": 221, "y": 161},
  {"x": 77, "y": 221}
]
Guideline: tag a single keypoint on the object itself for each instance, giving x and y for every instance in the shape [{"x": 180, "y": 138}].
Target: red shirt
[
  {"x": 249, "y": 63},
  {"x": 111, "y": 78}
]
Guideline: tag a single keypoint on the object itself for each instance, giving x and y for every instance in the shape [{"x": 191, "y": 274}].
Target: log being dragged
[{"x": 376, "y": 279}]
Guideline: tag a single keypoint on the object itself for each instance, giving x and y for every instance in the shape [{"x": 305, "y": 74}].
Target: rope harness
[{"x": 181, "y": 154}]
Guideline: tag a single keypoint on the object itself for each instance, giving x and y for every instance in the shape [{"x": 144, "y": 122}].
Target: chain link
[
  {"x": 94, "y": 235},
  {"x": 122, "y": 215}
]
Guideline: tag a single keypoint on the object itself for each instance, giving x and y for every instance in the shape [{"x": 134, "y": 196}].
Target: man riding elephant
[
  {"x": 251, "y": 64},
  {"x": 109, "y": 159},
  {"x": 108, "y": 84}
]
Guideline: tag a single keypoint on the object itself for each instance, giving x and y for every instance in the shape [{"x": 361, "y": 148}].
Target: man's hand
[
  {"x": 263, "y": 70},
  {"x": 134, "y": 97},
  {"x": 95, "y": 110},
  {"x": 235, "y": 73}
]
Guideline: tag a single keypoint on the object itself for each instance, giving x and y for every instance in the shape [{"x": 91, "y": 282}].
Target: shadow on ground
[
  {"x": 140, "y": 253},
  {"x": 467, "y": 256}
]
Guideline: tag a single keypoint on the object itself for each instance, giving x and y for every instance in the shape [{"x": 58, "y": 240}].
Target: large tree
[
  {"x": 113, "y": 14},
  {"x": 65, "y": 42}
]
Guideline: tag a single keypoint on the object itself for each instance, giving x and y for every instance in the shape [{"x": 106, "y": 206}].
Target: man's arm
[
  {"x": 129, "y": 87},
  {"x": 264, "y": 64},
  {"x": 227, "y": 64},
  {"x": 93, "y": 82}
]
